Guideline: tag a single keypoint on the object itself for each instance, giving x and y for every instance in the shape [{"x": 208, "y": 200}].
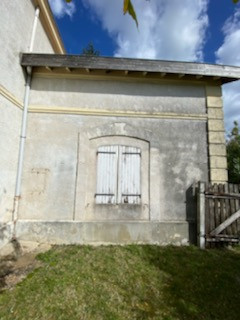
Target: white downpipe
[
  {"x": 23, "y": 133},
  {"x": 24, "y": 127},
  {"x": 37, "y": 11}
]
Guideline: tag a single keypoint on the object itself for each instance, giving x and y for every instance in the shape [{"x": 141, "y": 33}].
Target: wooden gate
[{"x": 218, "y": 214}]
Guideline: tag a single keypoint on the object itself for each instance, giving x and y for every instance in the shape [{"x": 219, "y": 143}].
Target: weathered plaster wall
[
  {"x": 111, "y": 232},
  {"x": 9, "y": 138},
  {"x": 177, "y": 154},
  {"x": 59, "y": 176},
  {"x": 118, "y": 95},
  {"x": 42, "y": 43},
  {"x": 16, "y": 24},
  {"x": 16, "y": 27}
]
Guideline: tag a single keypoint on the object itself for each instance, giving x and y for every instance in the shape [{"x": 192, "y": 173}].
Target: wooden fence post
[{"x": 201, "y": 215}]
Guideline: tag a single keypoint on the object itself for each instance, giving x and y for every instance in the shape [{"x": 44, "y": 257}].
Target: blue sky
[{"x": 182, "y": 30}]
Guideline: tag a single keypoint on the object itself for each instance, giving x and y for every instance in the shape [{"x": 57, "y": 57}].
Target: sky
[{"x": 205, "y": 31}]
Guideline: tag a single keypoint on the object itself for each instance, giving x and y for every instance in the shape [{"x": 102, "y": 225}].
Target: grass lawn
[{"x": 130, "y": 282}]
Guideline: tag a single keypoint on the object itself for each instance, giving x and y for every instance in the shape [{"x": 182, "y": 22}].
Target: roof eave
[{"x": 200, "y": 71}]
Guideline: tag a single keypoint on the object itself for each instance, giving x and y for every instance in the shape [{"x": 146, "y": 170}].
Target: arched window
[{"x": 118, "y": 175}]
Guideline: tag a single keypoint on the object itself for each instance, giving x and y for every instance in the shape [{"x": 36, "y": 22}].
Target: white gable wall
[
  {"x": 16, "y": 28},
  {"x": 16, "y": 24}
]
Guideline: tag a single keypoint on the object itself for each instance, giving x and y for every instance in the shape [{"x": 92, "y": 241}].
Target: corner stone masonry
[{"x": 216, "y": 135}]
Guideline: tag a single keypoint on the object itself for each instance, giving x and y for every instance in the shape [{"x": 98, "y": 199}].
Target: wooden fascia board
[
  {"x": 226, "y": 73},
  {"x": 50, "y": 26}
]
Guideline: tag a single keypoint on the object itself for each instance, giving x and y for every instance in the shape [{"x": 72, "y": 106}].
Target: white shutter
[
  {"x": 129, "y": 185},
  {"x": 107, "y": 159}
]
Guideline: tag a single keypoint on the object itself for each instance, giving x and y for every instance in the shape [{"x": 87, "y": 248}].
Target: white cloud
[
  {"x": 229, "y": 53},
  {"x": 171, "y": 30},
  {"x": 231, "y": 102},
  {"x": 61, "y": 8}
]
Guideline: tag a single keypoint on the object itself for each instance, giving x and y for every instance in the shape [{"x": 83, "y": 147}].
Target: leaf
[
  {"x": 125, "y": 6},
  {"x": 128, "y": 8},
  {"x": 235, "y": 1}
]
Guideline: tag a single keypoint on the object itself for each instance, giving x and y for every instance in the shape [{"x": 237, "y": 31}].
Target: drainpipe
[
  {"x": 23, "y": 129},
  {"x": 37, "y": 11}
]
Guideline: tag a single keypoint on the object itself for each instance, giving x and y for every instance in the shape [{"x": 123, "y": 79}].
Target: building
[{"x": 113, "y": 147}]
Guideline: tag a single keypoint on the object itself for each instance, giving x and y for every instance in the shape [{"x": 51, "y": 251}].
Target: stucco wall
[
  {"x": 119, "y": 95},
  {"x": 16, "y": 24},
  {"x": 10, "y": 121},
  {"x": 42, "y": 43},
  {"x": 15, "y": 28},
  {"x": 59, "y": 176},
  {"x": 178, "y": 158}
]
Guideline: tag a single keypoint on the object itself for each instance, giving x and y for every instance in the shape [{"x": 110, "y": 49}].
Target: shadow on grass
[{"x": 200, "y": 284}]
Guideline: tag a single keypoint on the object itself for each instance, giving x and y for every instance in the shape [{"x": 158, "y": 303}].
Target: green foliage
[
  {"x": 128, "y": 282},
  {"x": 233, "y": 154},
  {"x": 90, "y": 50}
]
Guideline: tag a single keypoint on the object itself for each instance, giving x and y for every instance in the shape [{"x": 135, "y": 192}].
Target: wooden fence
[{"x": 218, "y": 214}]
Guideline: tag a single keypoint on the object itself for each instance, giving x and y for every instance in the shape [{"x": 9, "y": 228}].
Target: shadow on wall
[
  {"x": 191, "y": 213},
  {"x": 3, "y": 231},
  {"x": 117, "y": 88}
]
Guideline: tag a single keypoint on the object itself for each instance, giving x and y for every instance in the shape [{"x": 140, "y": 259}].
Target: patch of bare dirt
[{"x": 16, "y": 266}]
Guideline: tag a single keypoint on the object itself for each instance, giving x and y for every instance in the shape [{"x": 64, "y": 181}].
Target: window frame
[{"x": 86, "y": 203}]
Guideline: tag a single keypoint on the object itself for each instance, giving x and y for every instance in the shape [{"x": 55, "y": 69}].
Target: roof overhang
[
  {"x": 156, "y": 69},
  {"x": 49, "y": 25}
]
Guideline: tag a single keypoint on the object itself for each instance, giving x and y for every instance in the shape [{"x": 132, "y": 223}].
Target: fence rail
[{"x": 218, "y": 214}]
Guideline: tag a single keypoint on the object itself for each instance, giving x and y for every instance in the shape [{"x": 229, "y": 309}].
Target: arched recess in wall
[
  {"x": 122, "y": 202},
  {"x": 119, "y": 129}
]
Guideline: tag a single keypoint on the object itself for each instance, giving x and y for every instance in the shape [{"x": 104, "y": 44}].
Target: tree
[
  {"x": 233, "y": 154},
  {"x": 90, "y": 50}
]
